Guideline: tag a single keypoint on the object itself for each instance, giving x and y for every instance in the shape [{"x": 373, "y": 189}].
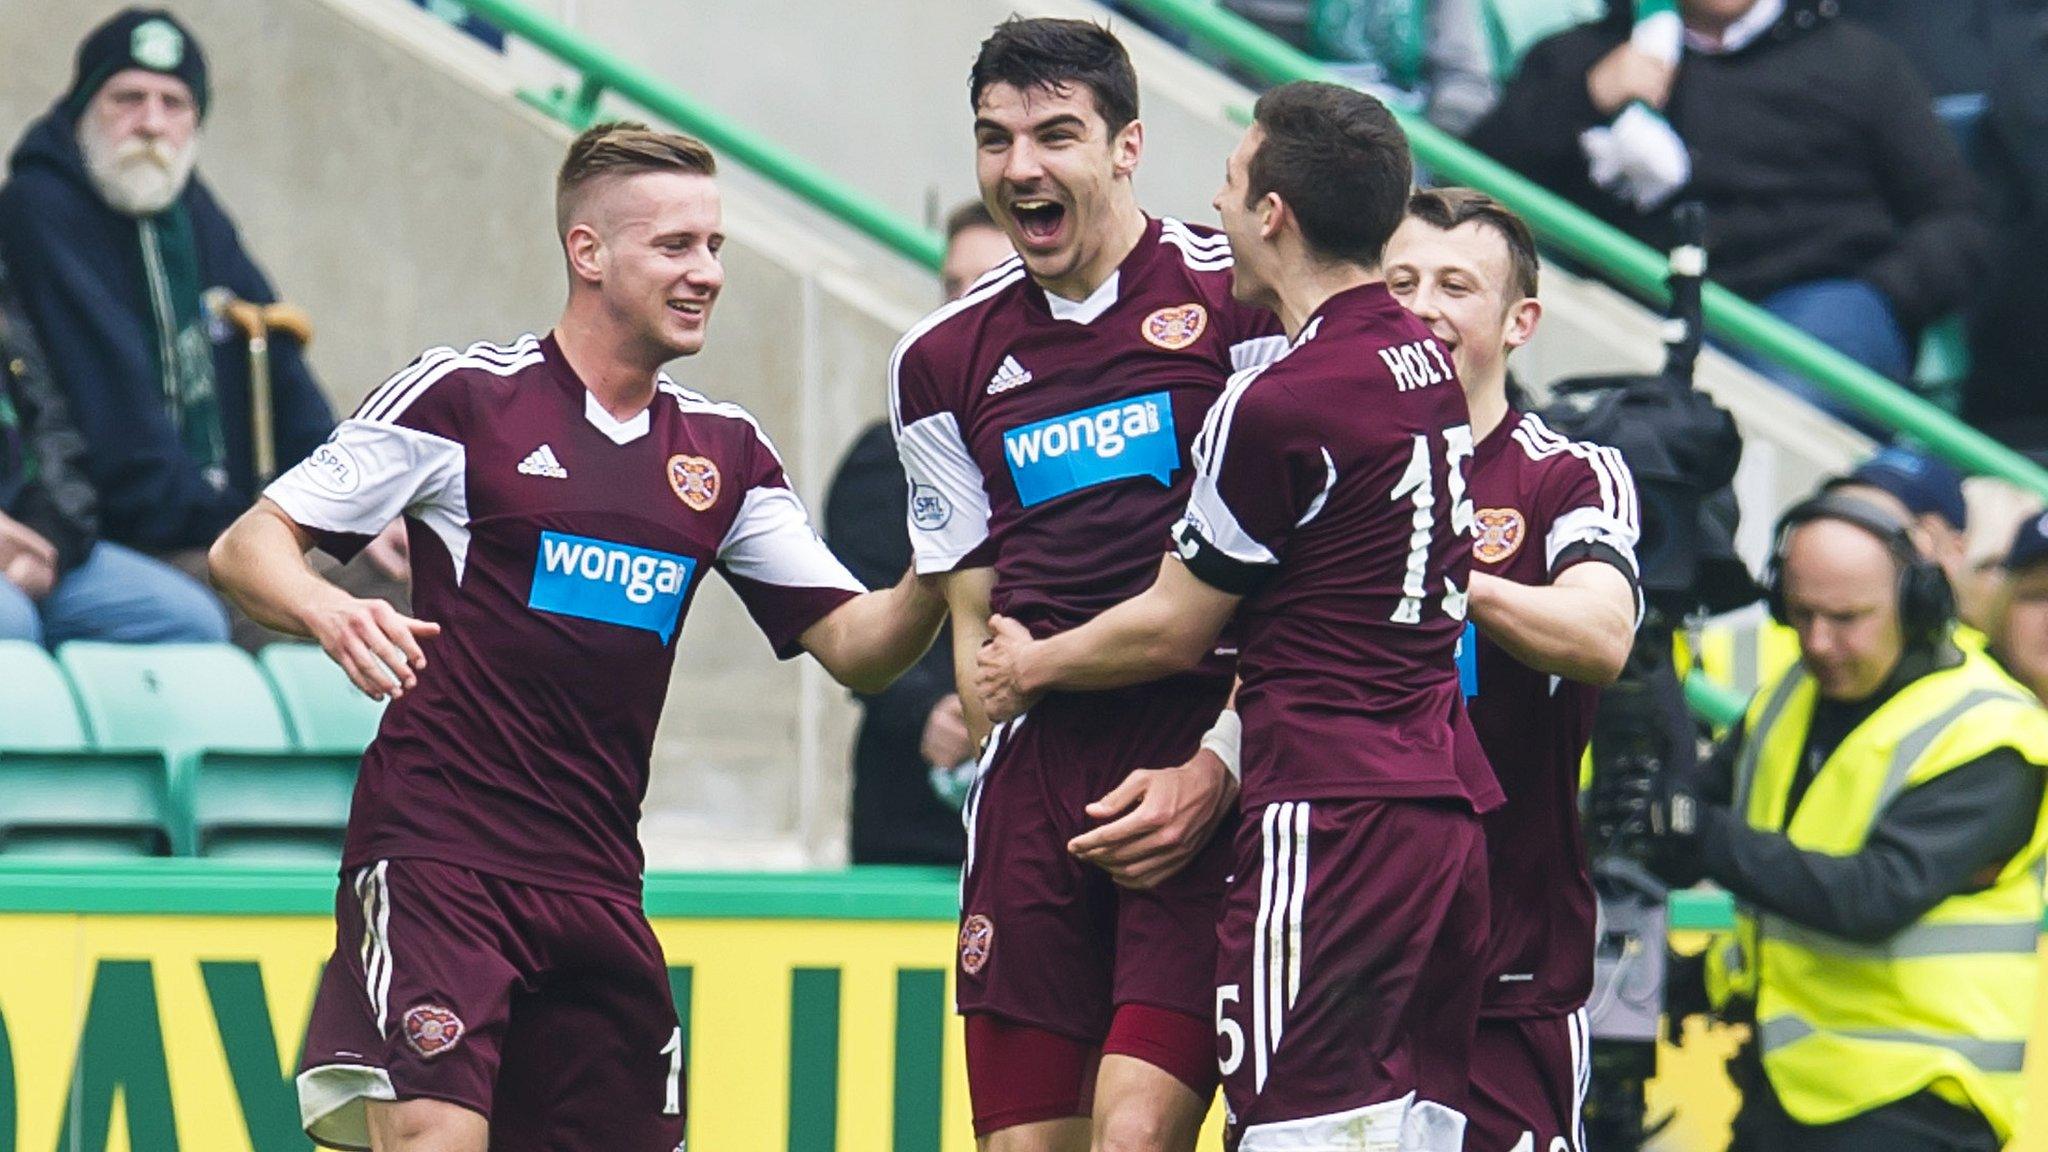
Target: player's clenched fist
[
  {"x": 999, "y": 669},
  {"x": 376, "y": 644}
]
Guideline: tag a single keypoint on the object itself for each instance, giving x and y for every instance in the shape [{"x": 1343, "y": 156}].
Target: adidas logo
[
  {"x": 541, "y": 462},
  {"x": 1010, "y": 375}
]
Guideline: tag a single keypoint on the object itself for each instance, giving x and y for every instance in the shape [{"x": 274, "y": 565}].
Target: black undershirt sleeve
[
  {"x": 1215, "y": 567},
  {"x": 1947, "y": 836}
]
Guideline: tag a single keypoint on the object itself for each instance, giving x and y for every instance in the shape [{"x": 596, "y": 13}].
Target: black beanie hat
[{"x": 147, "y": 38}]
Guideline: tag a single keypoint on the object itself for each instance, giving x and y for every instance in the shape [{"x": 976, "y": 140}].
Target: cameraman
[{"x": 1878, "y": 816}]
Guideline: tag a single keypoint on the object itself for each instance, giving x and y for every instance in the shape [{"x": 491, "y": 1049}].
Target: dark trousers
[{"x": 1922, "y": 1122}]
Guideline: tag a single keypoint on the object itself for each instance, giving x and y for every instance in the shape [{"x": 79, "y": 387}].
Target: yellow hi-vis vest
[{"x": 1945, "y": 1005}]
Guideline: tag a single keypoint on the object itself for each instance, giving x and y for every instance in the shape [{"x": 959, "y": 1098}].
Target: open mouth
[
  {"x": 694, "y": 309},
  {"x": 1039, "y": 220}
]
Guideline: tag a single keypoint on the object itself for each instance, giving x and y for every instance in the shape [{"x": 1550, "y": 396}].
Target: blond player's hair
[{"x": 618, "y": 149}]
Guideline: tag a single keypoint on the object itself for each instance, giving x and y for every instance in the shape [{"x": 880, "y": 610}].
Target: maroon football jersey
[
  {"x": 1048, "y": 438},
  {"x": 1330, "y": 491},
  {"x": 1543, "y": 503},
  {"x": 559, "y": 549}
]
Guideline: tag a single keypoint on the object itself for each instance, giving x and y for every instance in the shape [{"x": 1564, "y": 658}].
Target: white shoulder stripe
[
  {"x": 983, "y": 289},
  {"x": 1257, "y": 350},
  {"x": 395, "y": 395},
  {"x": 1009, "y": 264},
  {"x": 1214, "y": 437},
  {"x": 1170, "y": 227},
  {"x": 692, "y": 402},
  {"x": 1198, "y": 259},
  {"x": 1618, "y": 498}
]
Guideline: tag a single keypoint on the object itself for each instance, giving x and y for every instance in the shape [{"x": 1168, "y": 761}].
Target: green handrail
[
  {"x": 1627, "y": 261},
  {"x": 1717, "y": 704},
  {"x": 604, "y": 72}
]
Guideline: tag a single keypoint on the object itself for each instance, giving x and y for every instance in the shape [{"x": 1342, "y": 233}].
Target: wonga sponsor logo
[
  {"x": 1114, "y": 441},
  {"x": 609, "y": 582}
]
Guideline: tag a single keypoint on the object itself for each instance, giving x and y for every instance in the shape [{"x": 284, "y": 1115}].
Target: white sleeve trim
[
  {"x": 771, "y": 541},
  {"x": 949, "y": 509},
  {"x": 1590, "y": 526},
  {"x": 368, "y": 474},
  {"x": 1208, "y": 513}
]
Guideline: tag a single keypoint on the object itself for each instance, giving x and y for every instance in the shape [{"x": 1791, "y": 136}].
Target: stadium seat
[
  {"x": 175, "y": 698},
  {"x": 327, "y": 713},
  {"x": 37, "y": 711},
  {"x": 277, "y": 806},
  {"x": 57, "y": 803}
]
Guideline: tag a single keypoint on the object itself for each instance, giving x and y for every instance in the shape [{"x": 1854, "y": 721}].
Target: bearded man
[{"x": 116, "y": 248}]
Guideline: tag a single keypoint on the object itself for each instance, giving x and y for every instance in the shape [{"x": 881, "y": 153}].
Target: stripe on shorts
[
  {"x": 1582, "y": 1077},
  {"x": 1276, "y": 935},
  {"x": 373, "y": 890},
  {"x": 970, "y": 809}
]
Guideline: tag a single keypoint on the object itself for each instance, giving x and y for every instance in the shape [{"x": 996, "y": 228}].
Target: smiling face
[
  {"x": 1057, "y": 180},
  {"x": 649, "y": 244},
  {"x": 1249, "y": 225},
  {"x": 1461, "y": 283}
]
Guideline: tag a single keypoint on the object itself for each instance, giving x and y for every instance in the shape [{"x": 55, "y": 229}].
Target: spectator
[
  {"x": 1997, "y": 510},
  {"x": 1834, "y": 197},
  {"x": 56, "y": 582},
  {"x": 974, "y": 244},
  {"x": 2020, "y": 634},
  {"x": 116, "y": 246},
  {"x": 913, "y": 741},
  {"x": 1878, "y": 816},
  {"x": 2008, "y": 343},
  {"x": 1429, "y": 55}
]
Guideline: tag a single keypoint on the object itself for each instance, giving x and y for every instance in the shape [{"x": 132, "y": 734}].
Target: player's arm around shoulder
[{"x": 1165, "y": 629}]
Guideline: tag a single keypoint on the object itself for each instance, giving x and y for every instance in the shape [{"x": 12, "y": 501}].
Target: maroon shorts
[
  {"x": 1051, "y": 943},
  {"x": 1529, "y": 1080},
  {"x": 547, "y": 1011},
  {"x": 1349, "y": 982}
]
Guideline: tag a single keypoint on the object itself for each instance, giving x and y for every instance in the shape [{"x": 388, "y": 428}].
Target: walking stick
[{"x": 256, "y": 322}]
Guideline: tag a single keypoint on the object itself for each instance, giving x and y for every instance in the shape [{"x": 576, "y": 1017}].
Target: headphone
[{"x": 1926, "y": 602}]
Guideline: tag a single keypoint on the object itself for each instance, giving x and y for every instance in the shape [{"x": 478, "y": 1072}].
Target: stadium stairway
[{"x": 383, "y": 167}]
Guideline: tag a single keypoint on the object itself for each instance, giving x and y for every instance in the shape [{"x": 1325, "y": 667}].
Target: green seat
[
  {"x": 287, "y": 806},
  {"x": 327, "y": 712},
  {"x": 77, "y": 803},
  {"x": 178, "y": 698},
  {"x": 37, "y": 711}
]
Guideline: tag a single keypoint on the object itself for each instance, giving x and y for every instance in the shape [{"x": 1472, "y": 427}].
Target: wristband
[{"x": 1223, "y": 740}]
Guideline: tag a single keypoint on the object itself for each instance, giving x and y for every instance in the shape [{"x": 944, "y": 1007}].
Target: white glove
[{"x": 1639, "y": 158}]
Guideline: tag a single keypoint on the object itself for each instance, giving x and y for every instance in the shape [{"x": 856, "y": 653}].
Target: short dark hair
[
  {"x": 972, "y": 214},
  {"x": 623, "y": 148},
  {"x": 1339, "y": 160},
  {"x": 1447, "y": 208},
  {"x": 1042, "y": 52}
]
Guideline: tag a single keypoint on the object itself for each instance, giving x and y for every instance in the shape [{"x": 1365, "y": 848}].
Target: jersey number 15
[{"x": 1418, "y": 487}]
